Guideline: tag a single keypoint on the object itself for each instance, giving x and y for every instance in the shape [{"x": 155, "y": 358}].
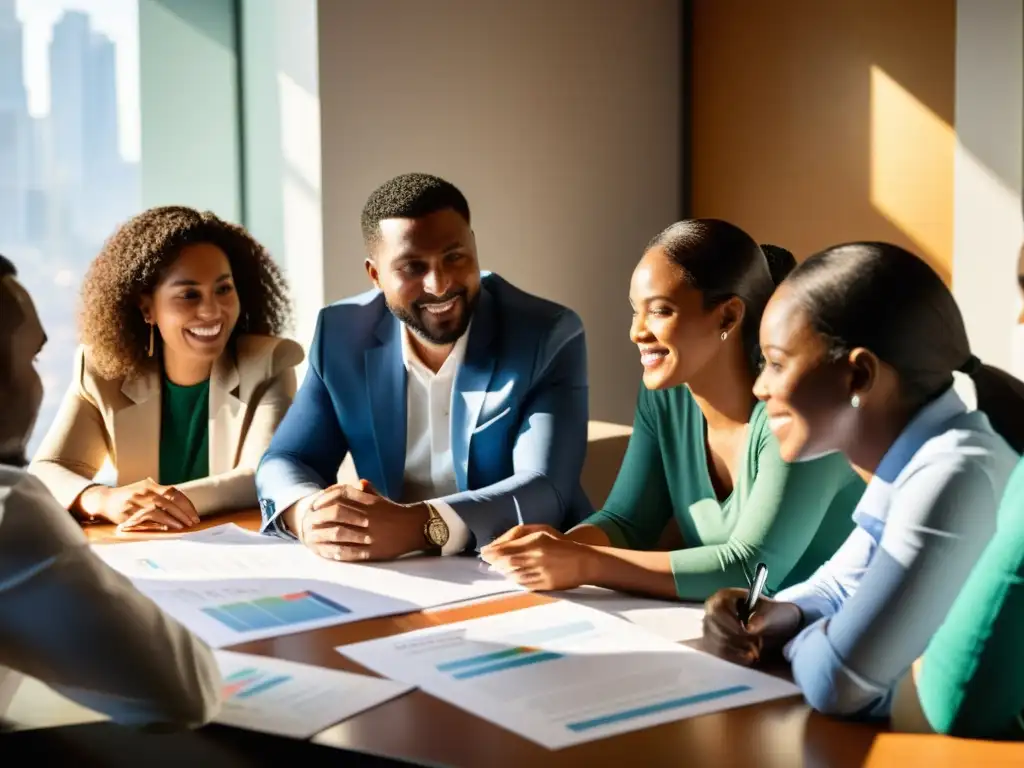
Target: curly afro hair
[
  {"x": 410, "y": 196},
  {"x": 135, "y": 258}
]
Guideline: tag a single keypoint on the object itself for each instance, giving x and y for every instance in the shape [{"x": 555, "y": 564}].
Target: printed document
[
  {"x": 231, "y": 552},
  {"x": 291, "y": 699},
  {"x": 561, "y": 674}
]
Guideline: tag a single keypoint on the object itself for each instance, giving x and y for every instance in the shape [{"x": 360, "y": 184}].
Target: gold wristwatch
[{"x": 435, "y": 530}]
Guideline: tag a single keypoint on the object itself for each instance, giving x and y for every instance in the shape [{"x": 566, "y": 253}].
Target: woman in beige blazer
[{"x": 181, "y": 380}]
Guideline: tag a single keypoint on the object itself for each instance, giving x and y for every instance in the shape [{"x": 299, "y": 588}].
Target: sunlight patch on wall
[{"x": 912, "y": 170}]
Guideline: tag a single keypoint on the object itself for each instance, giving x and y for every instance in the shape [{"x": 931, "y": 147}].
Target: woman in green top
[
  {"x": 970, "y": 681},
  {"x": 701, "y": 452},
  {"x": 181, "y": 380}
]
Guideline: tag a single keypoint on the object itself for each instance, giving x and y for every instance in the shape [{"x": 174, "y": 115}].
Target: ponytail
[
  {"x": 880, "y": 297},
  {"x": 780, "y": 262},
  {"x": 1001, "y": 398}
]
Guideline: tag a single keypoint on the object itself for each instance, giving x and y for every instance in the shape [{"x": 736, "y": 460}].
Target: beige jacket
[{"x": 118, "y": 420}]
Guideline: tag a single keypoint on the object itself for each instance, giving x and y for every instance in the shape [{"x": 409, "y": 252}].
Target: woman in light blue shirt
[{"x": 860, "y": 346}]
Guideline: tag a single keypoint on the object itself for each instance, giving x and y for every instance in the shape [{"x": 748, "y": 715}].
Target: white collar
[{"x": 412, "y": 360}]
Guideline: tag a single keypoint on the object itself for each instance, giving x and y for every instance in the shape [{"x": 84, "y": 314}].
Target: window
[{"x": 69, "y": 155}]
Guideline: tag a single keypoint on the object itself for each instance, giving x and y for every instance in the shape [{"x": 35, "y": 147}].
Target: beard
[{"x": 416, "y": 318}]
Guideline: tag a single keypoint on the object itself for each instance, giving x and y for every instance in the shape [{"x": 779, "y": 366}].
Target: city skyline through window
[{"x": 69, "y": 156}]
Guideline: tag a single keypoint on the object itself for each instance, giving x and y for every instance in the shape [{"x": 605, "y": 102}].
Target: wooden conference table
[{"x": 421, "y": 729}]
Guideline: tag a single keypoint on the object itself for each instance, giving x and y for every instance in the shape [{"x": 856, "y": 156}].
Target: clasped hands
[
  {"x": 355, "y": 523},
  {"x": 540, "y": 558},
  {"x": 142, "y": 506}
]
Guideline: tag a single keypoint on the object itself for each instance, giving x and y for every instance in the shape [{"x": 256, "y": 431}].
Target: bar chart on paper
[
  {"x": 561, "y": 674},
  {"x": 232, "y": 611},
  {"x": 292, "y": 699},
  {"x": 250, "y": 681},
  {"x": 275, "y": 611},
  {"x": 516, "y": 656}
]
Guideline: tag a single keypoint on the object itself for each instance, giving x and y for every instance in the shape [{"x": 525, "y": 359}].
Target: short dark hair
[
  {"x": 883, "y": 298},
  {"x": 410, "y": 196},
  {"x": 722, "y": 261},
  {"x": 7, "y": 269}
]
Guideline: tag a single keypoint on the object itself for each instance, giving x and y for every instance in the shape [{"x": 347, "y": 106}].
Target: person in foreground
[
  {"x": 861, "y": 343},
  {"x": 68, "y": 619},
  {"x": 462, "y": 399},
  {"x": 970, "y": 681},
  {"x": 701, "y": 454},
  {"x": 181, "y": 381}
]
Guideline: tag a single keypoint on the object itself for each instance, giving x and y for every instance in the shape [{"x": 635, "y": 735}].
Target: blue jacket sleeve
[
  {"x": 549, "y": 448},
  {"x": 307, "y": 448}
]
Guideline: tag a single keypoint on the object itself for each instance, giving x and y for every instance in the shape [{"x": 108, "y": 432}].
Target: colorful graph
[
  {"x": 521, "y": 654},
  {"x": 651, "y": 709},
  {"x": 249, "y": 682},
  {"x": 275, "y": 611}
]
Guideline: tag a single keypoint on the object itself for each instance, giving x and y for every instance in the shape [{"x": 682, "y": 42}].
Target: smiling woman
[
  {"x": 181, "y": 380},
  {"x": 701, "y": 455}
]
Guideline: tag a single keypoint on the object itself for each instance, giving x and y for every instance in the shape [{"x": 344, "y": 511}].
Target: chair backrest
[{"x": 606, "y": 445}]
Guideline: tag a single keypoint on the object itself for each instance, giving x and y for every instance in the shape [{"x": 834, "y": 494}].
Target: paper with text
[
  {"x": 230, "y": 552},
  {"x": 291, "y": 699},
  {"x": 672, "y": 620},
  {"x": 562, "y": 674}
]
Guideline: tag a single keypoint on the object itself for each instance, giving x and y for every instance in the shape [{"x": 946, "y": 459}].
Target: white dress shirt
[
  {"x": 429, "y": 470},
  {"x": 77, "y": 625}
]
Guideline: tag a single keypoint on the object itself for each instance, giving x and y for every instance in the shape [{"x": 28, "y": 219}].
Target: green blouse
[
  {"x": 184, "y": 432},
  {"x": 792, "y": 517},
  {"x": 972, "y": 679}
]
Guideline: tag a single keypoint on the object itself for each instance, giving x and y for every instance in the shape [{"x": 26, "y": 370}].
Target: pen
[{"x": 747, "y": 608}]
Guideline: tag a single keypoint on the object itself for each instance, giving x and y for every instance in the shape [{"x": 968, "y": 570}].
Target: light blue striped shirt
[{"x": 921, "y": 524}]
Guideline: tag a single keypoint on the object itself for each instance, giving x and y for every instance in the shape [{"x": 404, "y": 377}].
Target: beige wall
[
  {"x": 559, "y": 120},
  {"x": 821, "y": 122},
  {"x": 989, "y": 178}
]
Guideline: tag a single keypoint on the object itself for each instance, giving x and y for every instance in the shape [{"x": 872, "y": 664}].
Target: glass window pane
[{"x": 69, "y": 155}]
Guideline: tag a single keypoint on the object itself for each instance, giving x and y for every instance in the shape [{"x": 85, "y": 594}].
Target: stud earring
[
  {"x": 855, "y": 401},
  {"x": 152, "y": 335},
  {"x": 725, "y": 335}
]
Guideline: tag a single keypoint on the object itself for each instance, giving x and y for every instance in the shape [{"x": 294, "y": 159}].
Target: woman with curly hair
[{"x": 181, "y": 379}]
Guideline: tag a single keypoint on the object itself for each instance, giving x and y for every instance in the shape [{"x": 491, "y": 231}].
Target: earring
[
  {"x": 152, "y": 335},
  {"x": 725, "y": 335},
  {"x": 855, "y": 401}
]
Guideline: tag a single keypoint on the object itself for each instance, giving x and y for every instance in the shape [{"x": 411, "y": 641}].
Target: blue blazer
[{"x": 519, "y": 412}]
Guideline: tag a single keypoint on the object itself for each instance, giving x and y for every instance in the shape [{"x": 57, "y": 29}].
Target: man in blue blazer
[{"x": 462, "y": 399}]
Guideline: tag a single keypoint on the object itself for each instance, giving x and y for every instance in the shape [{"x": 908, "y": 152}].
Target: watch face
[{"x": 437, "y": 532}]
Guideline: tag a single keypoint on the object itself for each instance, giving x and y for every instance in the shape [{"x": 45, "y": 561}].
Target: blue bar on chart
[
  {"x": 651, "y": 709},
  {"x": 249, "y": 682},
  {"x": 275, "y": 611}
]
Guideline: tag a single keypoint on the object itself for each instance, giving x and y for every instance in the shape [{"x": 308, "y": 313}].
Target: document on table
[
  {"x": 230, "y": 586},
  {"x": 228, "y": 551},
  {"x": 561, "y": 674},
  {"x": 671, "y": 620},
  {"x": 231, "y": 611},
  {"x": 291, "y": 699}
]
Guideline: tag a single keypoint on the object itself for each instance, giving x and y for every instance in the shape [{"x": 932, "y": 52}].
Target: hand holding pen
[{"x": 742, "y": 626}]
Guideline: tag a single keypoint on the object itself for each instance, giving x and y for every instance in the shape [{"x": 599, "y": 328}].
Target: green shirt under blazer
[{"x": 118, "y": 424}]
